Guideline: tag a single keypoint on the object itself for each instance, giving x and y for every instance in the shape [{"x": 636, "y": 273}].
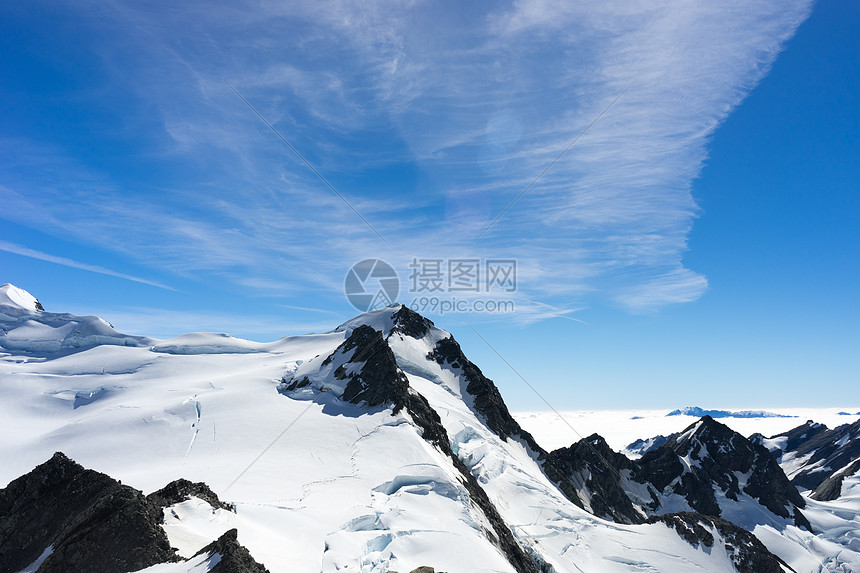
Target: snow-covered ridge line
[
  {"x": 26, "y": 327},
  {"x": 15, "y": 299}
]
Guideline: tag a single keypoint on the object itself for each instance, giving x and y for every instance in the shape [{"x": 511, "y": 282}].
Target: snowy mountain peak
[
  {"x": 705, "y": 431},
  {"x": 25, "y": 326},
  {"x": 381, "y": 346},
  {"x": 714, "y": 468},
  {"x": 365, "y": 370},
  {"x": 18, "y": 300},
  {"x": 362, "y": 369},
  {"x": 396, "y": 318}
]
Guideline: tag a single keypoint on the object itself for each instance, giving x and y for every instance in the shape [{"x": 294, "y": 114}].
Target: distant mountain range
[
  {"x": 697, "y": 412},
  {"x": 376, "y": 447}
]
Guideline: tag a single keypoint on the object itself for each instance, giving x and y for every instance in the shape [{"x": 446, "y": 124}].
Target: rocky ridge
[{"x": 62, "y": 517}]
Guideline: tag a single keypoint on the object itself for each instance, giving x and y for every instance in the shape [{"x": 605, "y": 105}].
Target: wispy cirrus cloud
[
  {"x": 429, "y": 119},
  {"x": 33, "y": 254}
]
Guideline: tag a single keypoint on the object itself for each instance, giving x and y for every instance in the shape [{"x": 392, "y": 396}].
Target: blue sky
[{"x": 698, "y": 244}]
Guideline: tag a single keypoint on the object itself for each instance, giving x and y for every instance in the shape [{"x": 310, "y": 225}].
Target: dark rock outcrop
[
  {"x": 233, "y": 557},
  {"x": 748, "y": 554},
  {"x": 826, "y": 452},
  {"x": 705, "y": 460},
  {"x": 410, "y": 323},
  {"x": 380, "y": 380},
  {"x": 488, "y": 402},
  {"x": 597, "y": 468},
  {"x": 434, "y": 432},
  {"x": 797, "y": 437},
  {"x": 491, "y": 408},
  {"x": 181, "y": 490},
  {"x": 717, "y": 455},
  {"x": 831, "y": 488},
  {"x": 93, "y": 522}
]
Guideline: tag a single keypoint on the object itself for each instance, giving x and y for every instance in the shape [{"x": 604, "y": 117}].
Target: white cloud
[
  {"x": 367, "y": 91},
  {"x": 673, "y": 287}
]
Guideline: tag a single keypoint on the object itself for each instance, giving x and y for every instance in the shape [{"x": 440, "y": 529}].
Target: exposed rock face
[
  {"x": 410, "y": 323},
  {"x": 706, "y": 458},
  {"x": 234, "y": 558},
  {"x": 434, "y": 432},
  {"x": 799, "y": 437},
  {"x": 93, "y": 522},
  {"x": 490, "y": 407},
  {"x": 827, "y": 453},
  {"x": 488, "y": 401},
  {"x": 181, "y": 490},
  {"x": 377, "y": 381},
  {"x": 748, "y": 554},
  {"x": 717, "y": 456},
  {"x": 831, "y": 488},
  {"x": 596, "y": 468}
]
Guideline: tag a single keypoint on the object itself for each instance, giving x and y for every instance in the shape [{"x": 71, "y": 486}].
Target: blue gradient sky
[{"x": 698, "y": 245}]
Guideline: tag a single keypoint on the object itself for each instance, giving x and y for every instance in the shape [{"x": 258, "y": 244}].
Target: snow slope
[
  {"x": 15, "y": 301},
  {"x": 25, "y": 327},
  {"x": 319, "y": 484},
  {"x": 836, "y": 542}
]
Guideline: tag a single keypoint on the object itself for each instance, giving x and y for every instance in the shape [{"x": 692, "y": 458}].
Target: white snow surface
[
  {"x": 14, "y": 300},
  {"x": 199, "y": 564},
  {"x": 320, "y": 484},
  {"x": 193, "y": 524},
  {"x": 24, "y": 328}
]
